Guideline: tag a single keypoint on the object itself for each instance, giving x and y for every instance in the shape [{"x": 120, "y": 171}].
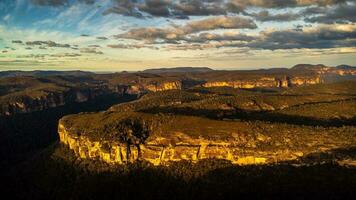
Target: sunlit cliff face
[{"x": 113, "y": 35}]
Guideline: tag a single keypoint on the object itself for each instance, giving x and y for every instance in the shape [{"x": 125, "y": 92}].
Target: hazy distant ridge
[
  {"x": 40, "y": 73},
  {"x": 179, "y": 70}
]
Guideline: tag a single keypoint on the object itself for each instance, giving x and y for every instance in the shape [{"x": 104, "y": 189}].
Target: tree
[{"x": 133, "y": 132}]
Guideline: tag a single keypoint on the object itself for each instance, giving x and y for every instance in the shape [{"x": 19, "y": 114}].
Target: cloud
[
  {"x": 168, "y": 8},
  {"x": 130, "y": 46},
  {"x": 204, "y": 8},
  {"x": 156, "y": 7},
  {"x": 222, "y": 22},
  {"x": 49, "y": 2},
  {"x": 321, "y": 37},
  {"x": 90, "y": 51},
  {"x": 56, "y": 3},
  {"x": 62, "y": 55},
  {"x": 94, "y": 46},
  {"x": 312, "y": 38},
  {"x": 101, "y": 38},
  {"x": 228, "y": 36},
  {"x": 184, "y": 9},
  {"x": 42, "y": 56},
  {"x": 124, "y": 7},
  {"x": 17, "y": 41},
  {"x": 344, "y": 13},
  {"x": 285, "y": 3},
  {"x": 176, "y": 33},
  {"x": 47, "y": 43},
  {"x": 266, "y": 16}
]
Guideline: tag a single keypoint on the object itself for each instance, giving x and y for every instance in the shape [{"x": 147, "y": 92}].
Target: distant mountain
[
  {"x": 178, "y": 70},
  {"x": 345, "y": 67},
  {"x": 40, "y": 73},
  {"x": 308, "y": 67}
]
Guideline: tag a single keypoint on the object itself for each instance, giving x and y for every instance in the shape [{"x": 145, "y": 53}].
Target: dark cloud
[
  {"x": 340, "y": 14},
  {"x": 90, "y": 51},
  {"x": 130, "y": 46},
  {"x": 101, "y": 38},
  {"x": 266, "y": 16},
  {"x": 47, "y": 43},
  {"x": 17, "y": 41},
  {"x": 285, "y": 3},
  {"x": 314, "y": 38},
  {"x": 49, "y": 2},
  {"x": 124, "y": 7},
  {"x": 94, "y": 46},
  {"x": 59, "y": 2},
  {"x": 205, "y": 8},
  {"x": 58, "y": 55},
  {"x": 62, "y": 55},
  {"x": 184, "y": 8},
  {"x": 156, "y": 7},
  {"x": 177, "y": 9}
]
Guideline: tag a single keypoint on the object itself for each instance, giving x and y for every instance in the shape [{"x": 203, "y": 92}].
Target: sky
[{"x": 130, "y": 35}]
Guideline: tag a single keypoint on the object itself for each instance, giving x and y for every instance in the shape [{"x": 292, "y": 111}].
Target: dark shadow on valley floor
[
  {"x": 57, "y": 174},
  {"x": 23, "y": 134}
]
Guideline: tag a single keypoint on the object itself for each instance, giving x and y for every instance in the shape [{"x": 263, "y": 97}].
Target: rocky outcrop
[
  {"x": 267, "y": 82},
  {"x": 298, "y": 81},
  {"x": 147, "y": 87},
  {"x": 157, "y": 153},
  {"x": 261, "y": 83},
  {"x": 239, "y": 148},
  {"x": 157, "y": 87}
]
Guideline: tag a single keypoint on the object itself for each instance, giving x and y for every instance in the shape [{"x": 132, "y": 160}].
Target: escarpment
[
  {"x": 27, "y": 94},
  {"x": 244, "y": 127},
  {"x": 240, "y": 143},
  {"x": 25, "y": 104}
]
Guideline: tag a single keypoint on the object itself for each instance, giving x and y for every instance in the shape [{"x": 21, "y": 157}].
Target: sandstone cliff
[
  {"x": 29, "y": 103},
  {"x": 240, "y": 143}
]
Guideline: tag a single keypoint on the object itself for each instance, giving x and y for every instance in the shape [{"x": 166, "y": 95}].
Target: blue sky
[{"x": 116, "y": 35}]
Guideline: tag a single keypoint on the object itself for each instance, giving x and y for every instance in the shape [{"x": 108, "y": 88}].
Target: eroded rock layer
[{"x": 239, "y": 147}]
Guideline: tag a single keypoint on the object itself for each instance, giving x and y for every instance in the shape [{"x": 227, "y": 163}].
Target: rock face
[
  {"x": 158, "y": 153},
  {"x": 156, "y": 87},
  {"x": 234, "y": 145},
  {"x": 25, "y": 104},
  {"x": 266, "y": 82}
]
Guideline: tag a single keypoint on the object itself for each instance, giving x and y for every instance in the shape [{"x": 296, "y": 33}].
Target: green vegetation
[{"x": 219, "y": 112}]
